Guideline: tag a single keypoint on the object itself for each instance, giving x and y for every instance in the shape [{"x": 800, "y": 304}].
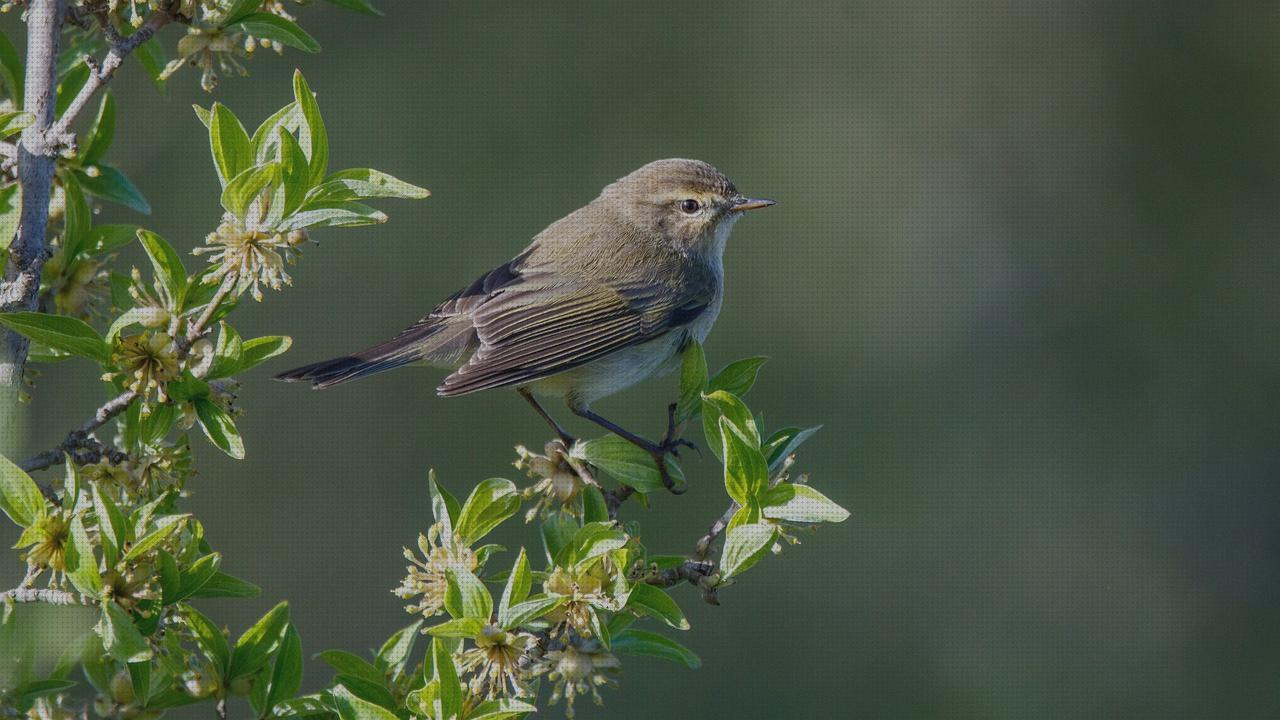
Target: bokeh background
[{"x": 1023, "y": 269}]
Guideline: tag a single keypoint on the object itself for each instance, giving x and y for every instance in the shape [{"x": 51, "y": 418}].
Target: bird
[{"x": 603, "y": 298}]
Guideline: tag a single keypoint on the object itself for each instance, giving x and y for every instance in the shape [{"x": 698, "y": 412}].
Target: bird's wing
[{"x": 538, "y": 328}]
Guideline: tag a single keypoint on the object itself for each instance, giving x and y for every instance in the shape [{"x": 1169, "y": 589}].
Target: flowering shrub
[{"x": 104, "y": 526}]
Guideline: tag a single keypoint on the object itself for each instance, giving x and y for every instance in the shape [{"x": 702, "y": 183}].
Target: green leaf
[
  {"x": 20, "y": 497},
  {"x": 446, "y": 673},
  {"x": 258, "y": 642},
  {"x": 737, "y": 378},
  {"x": 790, "y": 502},
  {"x": 363, "y": 184},
  {"x": 650, "y": 644},
  {"x": 745, "y": 473},
  {"x": 557, "y": 533},
  {"x": 195, "y": 576},
  {"x": 167, "y": 265},
  {"x": 219, "y": 428},
  {"x": 784, "y": 442},
  {"x": 69, "y": 86},
  {"x": 229, "y": 144},
  {"x": 444, "y": 506},
  {"x": 395, "y": 652},
  {"x": 295, "y": 172},
  {"x": 13, "y": 122},
  {"x": 140, "y": 674},
  {"x": 373, "y": 692},
  {"x": 274, "y": 27},
  {"x": 222, "y": 585},
  {"x": 625, "y": 462},
  {"x": 312, "y": 135},
  {"x": 657, "y": 603},
  {"x": 101, "y": 132},
  {"x": 336, "y": 214},
  {"x": 351, "y": 707},
  {"x": 594, "y": 508},
  {"x": 287, "y": 673},
  {"x": 265, "y": 138},
  {"x": 111, "y": 525},
  {"x": 170, "y": 577},
  {"x": 23, "y": 696},
  {"x": 111, "y": 185},
  {"x": 593, "y": 539},
  {"x": 12, "y": 72},
  {"x": 529, "y": 610},
  {"x": 466, "y": 596},
  {"x": 105, "y": 238},
  {"x": 208, "y": 638},
  {"x": 226, "y": 353},
  {"x": 258, "y": 350},
  {"x": 120, "y": 637},
  {"x": 693, "y": 381},
  {"x": 351, "y": 664},
  {"x": 240, "y": 9},
  {"x": 151, "y": 57},
  {"x": 503, "y": 708},
  {"x": 147, "y": 543},
  {"x": 490, "y": 503},
  {"x": 519, "y": 582},
  {"x": 10, "y": 213},
  {"x": 245, "y": 187},
  {"x": 59, "y": 332},
  {"x": 463, "y": 627},
  {"x": 82, "y": 566},
  {"x": 718, "y": 404},
  {"x": 744, "y": 546},
  {"x": 360, "y": 6},
  {"x": 77, "y": 218}
]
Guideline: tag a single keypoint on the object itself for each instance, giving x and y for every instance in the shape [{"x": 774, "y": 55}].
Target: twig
[
  {"x": 101, "y": 72},
  {"x": 80, "y": 436},
  {"x": 46, "y": 595},
  {"x": 35, "y": 177}
]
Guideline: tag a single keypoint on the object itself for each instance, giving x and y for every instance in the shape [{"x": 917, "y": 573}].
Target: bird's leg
[
  {"x": 565, "y": 437},
  {"x": 670, "y": 443}
]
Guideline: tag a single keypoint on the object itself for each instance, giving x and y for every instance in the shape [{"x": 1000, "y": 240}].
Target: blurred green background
[{"x": 1023, "y": 269}]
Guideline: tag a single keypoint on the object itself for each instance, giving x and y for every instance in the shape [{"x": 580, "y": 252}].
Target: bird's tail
[{"x": 435, "y": 343}]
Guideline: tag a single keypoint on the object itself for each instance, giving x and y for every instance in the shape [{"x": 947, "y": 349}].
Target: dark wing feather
[{"x": 534, "y": 330}]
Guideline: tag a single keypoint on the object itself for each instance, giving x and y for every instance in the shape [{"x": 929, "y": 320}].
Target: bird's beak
[{"x": 744, "y": 203}]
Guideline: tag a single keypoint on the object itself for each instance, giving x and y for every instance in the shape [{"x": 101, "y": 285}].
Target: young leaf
[
  {"x": 274, "y": 27},
  {"x": 101, "y": 132},
  {"x": 490, "y": 503},
  {"x": 82, "y": 566},
  {"x": 333, "y": 214},
  {"x": 801, "y": 504},
  {"x": 258, "y": 350},
  {"x": 13, "y": 122},
  {"x": 744, "y": 547},
  {"x": 105, "y": 238},
  {"x": 258, "y": 642},
  {"x": 222, "y": 585},
  {"x": 229, "y": 144},
  {"x": 245, "y": 187},
  {"x": 195, "y": 576},
  {"x": 649, "y": 644},
  {"x": 503, "y": 708},
  {"x": 351, "y": 664},
  {"x": 784, "y": 442},
  {"x": 312, "y": 135},
  {"x": 625, "y": 462},
  {"x": 745, "y": 472},
  {"x": 208, "y": 637},
  {"x": 20, "y": 497},
  {"x": 351, "y": 707},
  {"x": 395, "y": 652},
  {"x": 151, "y": 57},
  {"x": 145, "y": 544},
  {"x": 219, "y": 428},
  {"x": 295, "y": 172},
  {"x": 360, "y": 6},
  {"x": 466, "y": 596},
  {"x": 11, "y": 68},
  {"x": 363, "y": 184},
  {"x": 111, "y": 525},
  {"x": 59, "y": 332},
  {"x": 594, "y": 508},
  {"x": 120, "y": 637},
  {"x": 557, "y": 533},
  {"x": 693, "y": 381},
  {"x": 519, "y": 582},
  {"x": 463, "y": 627},
  {"x": 736, "y": 378},
  {"x": 240, "y": 9},
  {"x": 529, "y": 610},
  {"x": 721, "y": 403},
  {"x": 655, "y": 602},
  {"x": 444, "y": 506},
  {"x": 226, "y": 353},
  {"x": 446, "y": 674},
  {"x": 167, "y": 265},
  {"x": 10, "y": 213}
]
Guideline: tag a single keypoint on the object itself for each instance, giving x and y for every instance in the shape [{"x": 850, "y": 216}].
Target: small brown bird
[{"x": 602, "y": 299}]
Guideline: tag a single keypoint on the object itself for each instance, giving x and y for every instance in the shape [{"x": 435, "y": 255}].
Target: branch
[
  {"x": 46, "y": 595},
  {"x": 82, "y": 436},
  {"x": 35, "y": 178}
]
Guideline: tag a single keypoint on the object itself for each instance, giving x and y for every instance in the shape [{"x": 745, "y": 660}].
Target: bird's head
[{"x": 688, "y": 202}]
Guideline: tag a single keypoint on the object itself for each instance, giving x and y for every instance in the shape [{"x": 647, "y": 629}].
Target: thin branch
[
  {"x": 46, "y": 595},
  {"x": 102, "y": 71}
]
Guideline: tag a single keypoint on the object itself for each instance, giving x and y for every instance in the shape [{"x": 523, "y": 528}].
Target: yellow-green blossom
[{"x": 427, "y": 577}]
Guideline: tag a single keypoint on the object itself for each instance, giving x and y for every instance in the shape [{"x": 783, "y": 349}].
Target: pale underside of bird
[{"x": 602, "y": 299}]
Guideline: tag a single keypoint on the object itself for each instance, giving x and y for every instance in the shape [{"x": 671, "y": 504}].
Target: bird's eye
[{"x": 689, "y": 206}]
